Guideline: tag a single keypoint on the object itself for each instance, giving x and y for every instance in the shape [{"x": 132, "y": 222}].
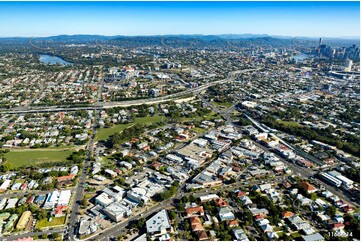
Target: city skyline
[{"x": 302, "y": 19}]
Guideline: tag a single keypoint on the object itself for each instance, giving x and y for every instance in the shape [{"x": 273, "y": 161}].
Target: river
[
  {"x": 300, "y": 57},
  {"x": 52, "y": 60}
]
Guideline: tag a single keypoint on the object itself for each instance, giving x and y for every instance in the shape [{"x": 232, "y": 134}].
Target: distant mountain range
[
  {"x": 81, "y": 37},
  {"x": 177, "y": 41}
]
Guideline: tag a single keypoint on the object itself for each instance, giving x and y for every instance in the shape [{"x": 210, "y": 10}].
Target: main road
[
  {"x": 31, "y": 234},
  {"x": 81, "y": 183}
]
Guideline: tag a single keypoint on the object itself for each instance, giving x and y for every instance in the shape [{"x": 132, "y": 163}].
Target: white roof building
[
  {"x": 159, "y": 223},
  {"x": 240, "y": 235},
  {"x": 11, "y": 203},
  {"x": 104, "y": 199},
  {"x": 64, "y": 197},
  {"x": 51, "y": 200},
  {"x": 5, "y": 185},
  {"x": 74, "y": 170},
  {"x": 117, "y": 211}
]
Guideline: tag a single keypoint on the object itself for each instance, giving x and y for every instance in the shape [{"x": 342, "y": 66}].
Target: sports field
[{"x": 26, "y": 157}]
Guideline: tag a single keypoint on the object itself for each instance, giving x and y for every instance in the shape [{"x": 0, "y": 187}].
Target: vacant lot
[
  {"x": 105, "y": 133},
  {"x": 223, "y": 105},
  {"x": 43, "y": 223},
  {"x": 209, "y": 116},
  {"x": 26, "y": 158}
]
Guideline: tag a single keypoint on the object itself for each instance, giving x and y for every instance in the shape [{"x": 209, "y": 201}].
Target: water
[
  {"x": 52, "y": 60},
  {"x": 300, "y": 57}
]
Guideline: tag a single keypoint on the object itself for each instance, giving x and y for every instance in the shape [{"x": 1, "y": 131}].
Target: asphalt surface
[
  {"x": 11, "y": 193},
  {"x": 73, "y": 219},
  {"x": 31, "y": 234}
]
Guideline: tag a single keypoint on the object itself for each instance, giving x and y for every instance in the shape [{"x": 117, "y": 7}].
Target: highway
[{"x": 100, "y": 106}]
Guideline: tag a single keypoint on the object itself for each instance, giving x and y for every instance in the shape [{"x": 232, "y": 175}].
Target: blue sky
[{"x": 327, "y": 19}]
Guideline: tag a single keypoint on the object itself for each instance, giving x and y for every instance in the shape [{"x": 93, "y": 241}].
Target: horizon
[
  {"x": 287, "y": 19},
  {"x": 195, "y": 34}
]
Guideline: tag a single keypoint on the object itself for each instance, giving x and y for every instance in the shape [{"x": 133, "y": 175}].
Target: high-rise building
[{"x": 348, "y": 65}]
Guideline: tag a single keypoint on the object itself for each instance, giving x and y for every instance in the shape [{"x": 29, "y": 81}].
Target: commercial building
[
  {"x": 344, "y": 180},
  {"x": 87, "y": 227},
  {"x": 117, "y": 211},
  {"x": 330, "y": 179},
  {"x": 159, "y": 224},
  {"x": 104, "y": 199}
]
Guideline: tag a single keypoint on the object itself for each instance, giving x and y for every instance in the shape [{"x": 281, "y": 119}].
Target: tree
[
  {"x": 330, "y": 211},
  {"x": 172, "y": 214},
  {"x": 42, "y": 214},
  {"x": 56, "y": 236},
  {"x": 84, "y": 202},
  {"x": 6, "y": 167}
]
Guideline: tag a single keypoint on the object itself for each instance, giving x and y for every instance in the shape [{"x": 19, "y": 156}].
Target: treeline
[
  {"x": 127, "y": 134},
  {"x": 351, "y": 146},
  {"x": 167, "y": 193}
]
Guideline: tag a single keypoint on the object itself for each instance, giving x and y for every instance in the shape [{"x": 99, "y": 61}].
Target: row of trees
[{"x": 323, "y": 135}]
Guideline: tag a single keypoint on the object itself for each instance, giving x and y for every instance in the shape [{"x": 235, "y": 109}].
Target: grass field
[
  {"x": 206, "y": 117},
  {"x": 25, "y": 158},
  {"x": 43, "y": 223},
  {"x": 199, "y": 130},
  {"x": 105, "y": 133},
  {"x": 19, "y": 180},
  {"x": 289, "y": 123},
  {"x": 225, "y": 104}
]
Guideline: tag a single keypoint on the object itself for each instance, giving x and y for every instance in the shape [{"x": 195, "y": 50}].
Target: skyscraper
[{"x": 348, "y": 65}]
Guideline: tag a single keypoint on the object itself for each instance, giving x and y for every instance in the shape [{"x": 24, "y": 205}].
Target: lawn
[
  {"x": 105, "y": 133},
  {"x": 19, "y": 181},
  {"x": 43, "y": 223},
  {"x": 225, "y": 104},
  {"x": 290, "y": 124},
  {"x": 209, "y": 116},
  {"x": 295, "y": 235},
  {"x": 199, "y": 130},
  {"x": 26, "y": 158}
]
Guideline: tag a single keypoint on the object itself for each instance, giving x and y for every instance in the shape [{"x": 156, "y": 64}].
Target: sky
[{"x": 311, "y": 19}]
